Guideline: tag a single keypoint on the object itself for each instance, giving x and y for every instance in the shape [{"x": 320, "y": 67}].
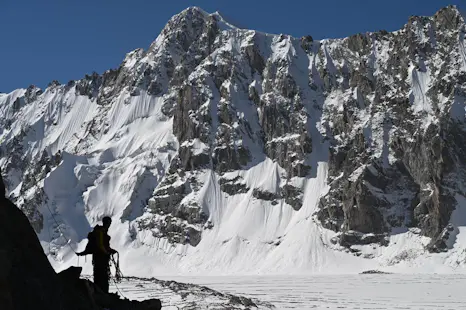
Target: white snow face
[{"x": 222, "y": 150}]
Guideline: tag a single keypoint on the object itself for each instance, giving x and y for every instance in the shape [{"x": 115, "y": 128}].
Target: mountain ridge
[{"x": 226, "y": 143}]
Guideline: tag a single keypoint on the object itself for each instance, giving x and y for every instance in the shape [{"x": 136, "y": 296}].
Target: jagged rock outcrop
[{"x": 27, "y": 280}]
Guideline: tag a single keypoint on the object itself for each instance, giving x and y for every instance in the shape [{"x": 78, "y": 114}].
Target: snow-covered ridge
[{"x": 227, "y": 150}]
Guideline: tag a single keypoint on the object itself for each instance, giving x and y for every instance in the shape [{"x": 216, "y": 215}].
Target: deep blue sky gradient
[{"x": 44, "y": 40}]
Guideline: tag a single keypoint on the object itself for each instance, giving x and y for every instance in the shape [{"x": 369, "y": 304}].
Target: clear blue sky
[{"x": 43, "y": 40}]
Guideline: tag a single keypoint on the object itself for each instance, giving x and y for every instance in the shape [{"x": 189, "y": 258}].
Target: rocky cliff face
[
  {"x": 212, "y": 116},
  {"x": 398, "y": 155}
]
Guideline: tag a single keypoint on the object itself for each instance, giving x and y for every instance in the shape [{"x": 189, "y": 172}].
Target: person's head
[{"x": 106, "y": 221}]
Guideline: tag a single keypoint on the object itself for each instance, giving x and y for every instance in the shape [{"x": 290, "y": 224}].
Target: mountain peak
[
  {"x": 186, "y": 19},
  {"x": 450, "y": 17},
  {"x": 194, "y": 14},
  {"x": 194, "y": 10},
  {"x": 190, "y": 13}
]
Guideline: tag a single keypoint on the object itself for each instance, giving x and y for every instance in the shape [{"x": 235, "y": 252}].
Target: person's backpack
[{"x": 91, "y": 243}]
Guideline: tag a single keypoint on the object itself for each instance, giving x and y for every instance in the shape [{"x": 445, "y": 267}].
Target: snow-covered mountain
[{"x": 226, "y": 150}]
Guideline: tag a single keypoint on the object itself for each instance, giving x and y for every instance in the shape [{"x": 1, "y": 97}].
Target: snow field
[{"x": 380, "y": 291}]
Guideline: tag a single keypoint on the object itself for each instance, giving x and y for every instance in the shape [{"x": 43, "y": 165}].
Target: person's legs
[{"x": 101, "y": 274}]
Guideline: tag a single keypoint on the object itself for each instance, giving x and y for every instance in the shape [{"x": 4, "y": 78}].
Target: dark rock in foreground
[{"x": 28, "y": 281}]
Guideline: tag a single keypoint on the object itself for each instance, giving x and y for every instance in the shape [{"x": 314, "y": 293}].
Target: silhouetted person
[{"x": 99, "y": 247}]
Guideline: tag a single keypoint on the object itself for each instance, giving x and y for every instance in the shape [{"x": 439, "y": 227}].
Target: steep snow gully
[{"x": 222, "y": 150}]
